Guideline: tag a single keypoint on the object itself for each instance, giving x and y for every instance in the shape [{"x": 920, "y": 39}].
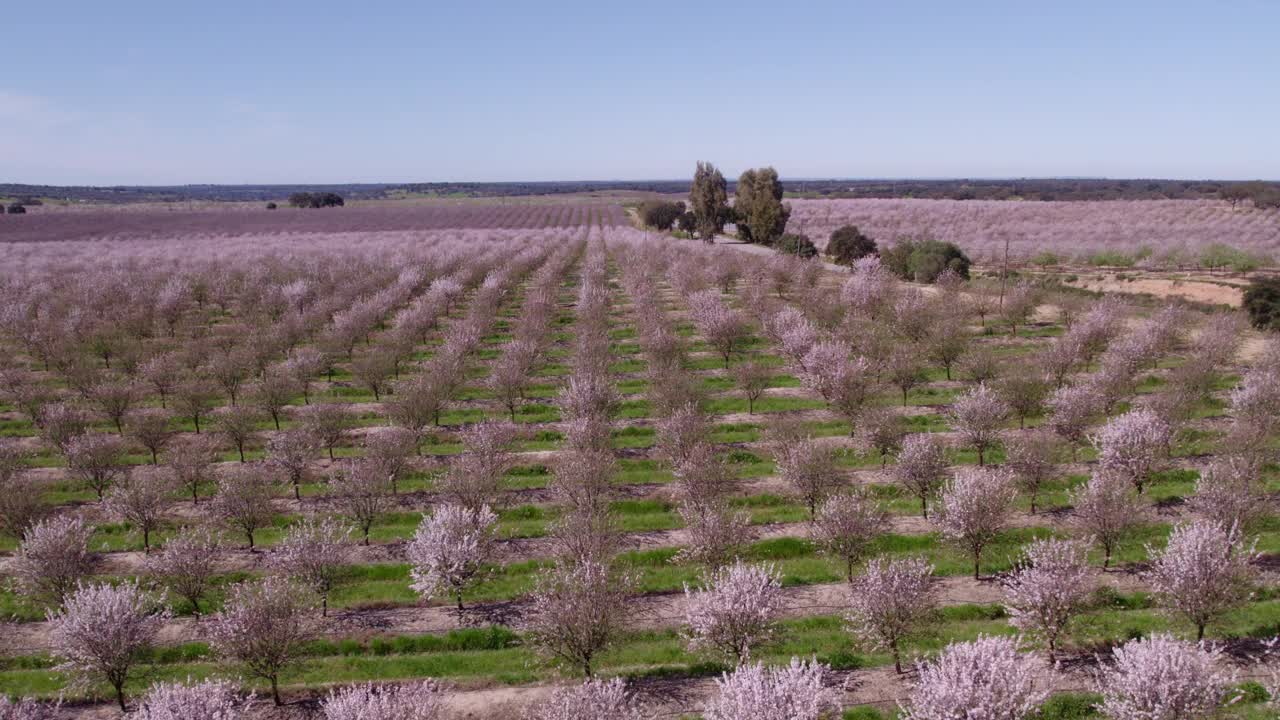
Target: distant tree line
[{"x": 315, "y": 200}]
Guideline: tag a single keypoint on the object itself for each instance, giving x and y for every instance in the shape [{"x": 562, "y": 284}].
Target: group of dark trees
[
  {"x": 16, "y": 209},
  {"x": 315, "y": 200},
  {"x": 660, "y": 214},
  {"x": 1263, "y": 195},
  {"x": 1262, "y": 302}
]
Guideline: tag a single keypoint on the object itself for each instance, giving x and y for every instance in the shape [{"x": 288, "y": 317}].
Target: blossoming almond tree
[
  {"x": 315, "y": 554},
  {"x": 846, "y": 524},
  {"x": 205, "y": 700},
  {"x": 578, "y": 610},
  {"x": 590, "y": 700},
  {"x": 264, "y": 627},
  {"x": 186, "y": 564},
  {"x": 1162, "y": 678},
  {"x": 52, "y": 558},
  {"x": 101, "y": 632},
  {"x": 449, "y": 550},
  {"x": 889, "y": 600},
  {"x": 986, "y": 679},
  {"x": 1131, "y": 444},
  {"x": 975, "y": 506},
  {"x": 420, "y": 700},
  {"x": 1202, "y": 572},
  {"x": 798, "y": 691},
  {"x": 1107, "y": 509},
  {"x": 1052, "y": 586},
  {"x": 921, "y": 467},
  {"x": 977, "y": 416},
  {"x": 734, "y": 610}
]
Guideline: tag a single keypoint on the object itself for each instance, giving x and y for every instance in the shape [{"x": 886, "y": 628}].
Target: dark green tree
[
  {"x": 924, "y": 260},
  {"x": 1262, "y": 302},
  {"x": 17, "y": 209},
  {"x": 760, "y": 215},
  {"x": 848, "y": 244},
  {"x": 795, "y": 244},
  {"x": 709, "y": 198},
  {"x": 660, "y": 215}
]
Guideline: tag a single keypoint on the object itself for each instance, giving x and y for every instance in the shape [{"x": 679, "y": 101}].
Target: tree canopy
[
  {"x": 710, "y": 200},
  {"x": 758, "y": 208}
]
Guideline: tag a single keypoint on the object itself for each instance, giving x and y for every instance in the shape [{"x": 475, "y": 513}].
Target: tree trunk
[
  {"x": 324, "y": 605},
  {"x": 120, "y": 697},
  {"x": 275, "y": 690},
  {"x": 897, "y": 657},
  {"x": 924, "y": 507},
  {"x": 977, "y": 561},
  {"x": 297, "y": 492},
  {"x": 1199, "y": 632}
]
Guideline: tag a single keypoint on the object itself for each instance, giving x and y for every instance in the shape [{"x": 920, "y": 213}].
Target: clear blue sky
[{"x": 278, "y": 91}]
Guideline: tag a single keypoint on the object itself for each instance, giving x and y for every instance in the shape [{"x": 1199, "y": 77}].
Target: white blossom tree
[
  {"x": 206, "y": 700},
  {"x": 716, "y": 533},
  {"x": 986, "y": 679},
  {"x": 421, "y": 700},
  {"x": 978, "y": 416},
  {"x": 315, "y": 554},
  {"x": 245, "y": 500},
  {"x": 1032, "y": 457},
  {"x": 187, "y": 563},
  {"x": 140, "y": 499},
  {"x": 101, "y": 632},
  {"x": 449, "y": 549},
  {"x": 1202, "y": 572},
  {"x": 847, "y": 524},
  {"x": 975, "y": 506},
  {"x": 590, "y": 700},
  {"x": 578, "y": 609},
  {"x": 291, "y": 452},
  {"x": 361, "y": 488},
  {"x": 1162, "y": 678},
  {"x": 734, "y": 610},
  {"x": 798, "y": 691},
  {"x": 1132, "y": 444},
  {"x": 25, "y": 709},
  {"x": 52, "y": 558},
  {"x": 1052, "y": 586},
  {"x": 1229, "y": 492},
  {"x": 889, "y": 600},
  {"x": 921, "y": 467},
  {"x": 264, "y": 626}
]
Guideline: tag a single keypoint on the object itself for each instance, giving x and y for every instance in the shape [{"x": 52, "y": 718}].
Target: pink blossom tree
[
  {"x": 25, "y": 709},
  {"x": 1202, "y": 572},
  {"x": 362, "y": 491},
  {"x": 1162, "y": 678},
  {"x": 975, "y": 506},
  {"x": 391, "y": 451},
  {"x": 450, "y": 549},
  {"x": 1032, "y": 457},
  {"x": 421, "y": 700},
  {"x": 578, "y": 610},
  {"x": 921, "y": 467},
  {"x": 1107, "y": 509},
  {"x": 752, "y": 378},
  {"x": 52, "y": 558},
  {"x": 151, "y": 429},
  {"x": 101, "y": 632},
  {"x": 807, "y": 465},
  {"x": 680, "y": 433},
  {"x": 96, "y": 459},
  {"x": 847, "y": 524},
  {"x": 1230, "y": 494},
  {"x": 588, "y": 701},
  {"x": 716, "y": 535},
  {"x": 187, "y": 563},
  {"x": 205, "y": 700},
  {"x": 191, "y": 460},
  {"x": 141, "y": 499},
  {"x": 889, "y": 601},
  {"x": 291, "y": 453},
  {"x": 315, "y": 555},
  {"x": 734, "y": 610},
  {"x": 1132, "y": 444},
  {"x": 978, "y": 416},
  {"x": 264, "y": 627},
  {"x": 329, "y": 423},
  {"x": 1071, "y": 408},
  {"x": 1052, "y": 586},
  {"x": 723, "y": 327},
  {"x": 986, "y": 678},
  {"x": 245, "y": 500},
  {"x": 798, "y": 691}
]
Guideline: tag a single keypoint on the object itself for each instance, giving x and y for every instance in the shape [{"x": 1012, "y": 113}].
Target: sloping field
[
  {"x": 1070, "y": 229},
  {"x": 41, "y": 225}
]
